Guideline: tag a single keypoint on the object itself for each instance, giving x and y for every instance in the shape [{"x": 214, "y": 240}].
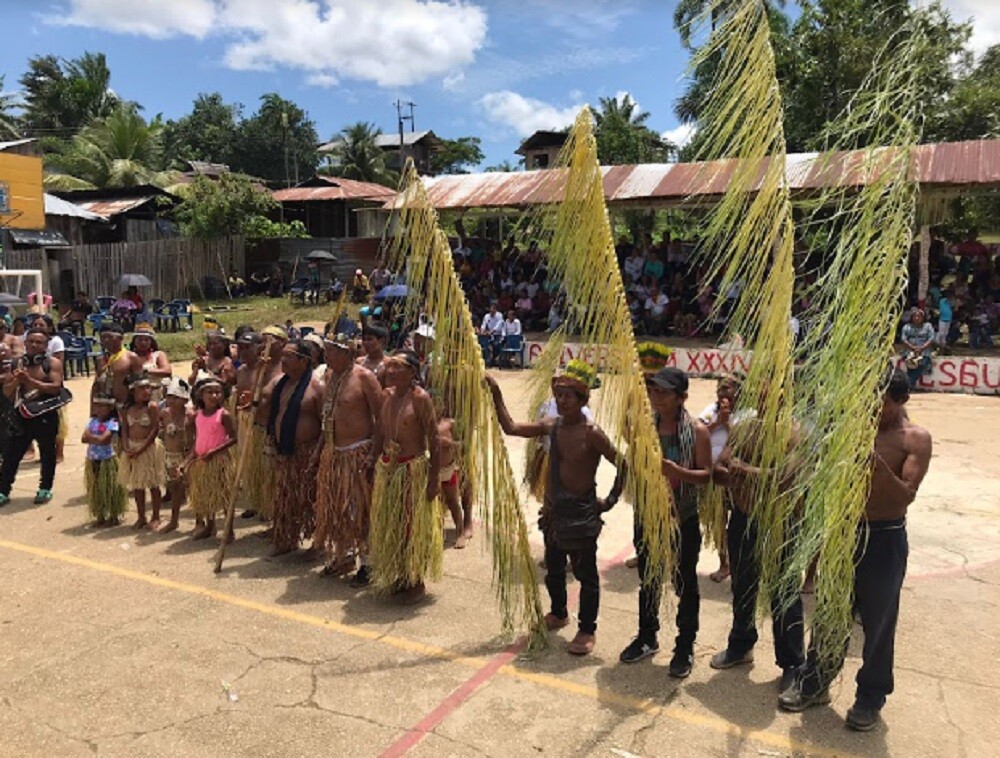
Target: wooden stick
[{"x": 244, "y": 446}]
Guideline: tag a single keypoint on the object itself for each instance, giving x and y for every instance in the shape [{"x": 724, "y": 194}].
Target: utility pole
[{"x": 400, "y": 119}]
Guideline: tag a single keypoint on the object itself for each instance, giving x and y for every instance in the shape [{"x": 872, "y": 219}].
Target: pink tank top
[{"x": 209, "y": 432}]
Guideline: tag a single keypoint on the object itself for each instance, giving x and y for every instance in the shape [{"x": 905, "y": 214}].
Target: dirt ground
[{"x": 125, "y": 644}]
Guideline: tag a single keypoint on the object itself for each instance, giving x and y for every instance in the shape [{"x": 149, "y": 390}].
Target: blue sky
[{"x": 496, "y": 69}]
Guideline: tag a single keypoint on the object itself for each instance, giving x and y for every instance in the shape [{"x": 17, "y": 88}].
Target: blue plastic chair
[
  {"x": 104, "y": 303},
  {"x": 94, "y": 352},
  {"x": 75, "y": 359},
  {"x": 184, "y": 311},
  {"x": 484, "y": 345},
  {"x": 513, "y": 347},
  {"x": 96, "y": 321}
]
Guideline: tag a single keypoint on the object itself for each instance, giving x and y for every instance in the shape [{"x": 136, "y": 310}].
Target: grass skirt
[
  {"x": 210, "y": 483},
  {"x": 536, "y": 469},
  {"x": 406, "y": 538},
  {"x": 145, "y": 472},
  {"x": 712, "y": 514},
  {"x": 172, "y": 461},
  {"x": 63, "y": 424},
  {"x": 106, "y": 498},
  {"x": 343, "y": 498},
  {"x": 258, "y": 469},
  {"x": 295, "y": 486}
]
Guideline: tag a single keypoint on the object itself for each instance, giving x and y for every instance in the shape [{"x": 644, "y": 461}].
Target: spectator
[
  {"x": 944, "y": 318},
  {"x": 512, "y": 325},
  {"x": 656, "y": 311},
  {"x": 360, "y": 287},
  {"x": 653, "y": 267},
  {"x": 492, "y": 327},
  {"x": 980, "y": 325},
  {"x": 237, "y": 286},
  {"x": 918, "y": 339},
  {"x": 293, "y": 333},
  {"x": 524, "y": 306},
  {"x": 379, "y": 278},
  {"x": 633, "y": 267},
  {"x": 79, "y": 309}
]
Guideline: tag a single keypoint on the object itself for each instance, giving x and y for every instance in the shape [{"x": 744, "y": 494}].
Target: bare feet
[
  {"x": 460, "y": 542},
  {"x": 339, "y": 567},
  {"x": 154, "y": 524},
  {"x": 721, "y": 574},
  {"x": 112, "y": 522},
  {"x": 170, "y": 526},
  {"x": 140, "y": 523},
  {"x": 412, "y": 595},
  {"x": 582, "y": 644}
]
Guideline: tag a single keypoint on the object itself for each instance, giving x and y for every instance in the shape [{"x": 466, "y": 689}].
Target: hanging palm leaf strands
[
  {"x": 580, "y": 254},
  {"x": 536, "y": 457},
  {"x": 855, "y": 307},
  {"x": 456, "y": 371},
  {"x": 752, "y": 223}
]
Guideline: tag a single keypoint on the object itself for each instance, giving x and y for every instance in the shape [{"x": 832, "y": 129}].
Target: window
[{"x": 4, "y": 197}]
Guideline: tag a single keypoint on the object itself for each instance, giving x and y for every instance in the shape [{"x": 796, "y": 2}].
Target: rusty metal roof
[
  {"x": 114, "y": 207},
  {"x": 334, "y": 188},
  {"x": 936, "y": 166}
]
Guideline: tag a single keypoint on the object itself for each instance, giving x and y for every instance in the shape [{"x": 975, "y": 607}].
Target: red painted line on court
[{"x": 416, "y": 733}]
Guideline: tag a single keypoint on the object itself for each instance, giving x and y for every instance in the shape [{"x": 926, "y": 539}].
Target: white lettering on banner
[{"x": 973, "y": 374}]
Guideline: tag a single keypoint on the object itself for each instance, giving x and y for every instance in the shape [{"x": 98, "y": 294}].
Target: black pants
[
  {"x": 880, "y": 566},
  {"x": 685, "y": 581},
  {"x": 42, "y": 430},
  {"x": 585, "y": 569},
  {"x": 786, "y": 625}
]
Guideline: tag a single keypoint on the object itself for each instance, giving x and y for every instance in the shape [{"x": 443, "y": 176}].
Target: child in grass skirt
[
  {"x": 211, "y": 465},
  {"x": 141, "y": 466},
  {"x": 177, "y": 428},
  {"x": 106, "y": 498}
]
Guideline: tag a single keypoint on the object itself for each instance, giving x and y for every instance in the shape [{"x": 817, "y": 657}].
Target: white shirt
[
  {"x": 720, "y": 435},
  {"x": 56, "y": 345},
  {"x": 531, "y": 289},
  {"x": 493, "y": 323},
  {"x": 656, "y": 306},
  {"x": 633, "y": 266},
  {"x": 512, "y": 327}
]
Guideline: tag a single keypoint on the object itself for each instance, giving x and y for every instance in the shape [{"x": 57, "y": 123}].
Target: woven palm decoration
[
  {"x": 456, "y": 371},
  {"x": 744, "y": 143},
  {"x": 855, "y": 306},
  {"x": 579, "y": 248}
]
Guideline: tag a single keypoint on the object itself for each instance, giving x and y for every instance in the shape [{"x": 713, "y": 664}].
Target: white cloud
[
  {"x": 620, "y": 96},
  {"x": 453, "y": 81},
  {"x": 680, "y": 135},
  {"x": 985, "y": 15},
  {"x": 391, "y": 42},
  {"x": 526, "y": 115},
  {"x": 158, "y": 19},
  {"x": 321, "y": 79}
]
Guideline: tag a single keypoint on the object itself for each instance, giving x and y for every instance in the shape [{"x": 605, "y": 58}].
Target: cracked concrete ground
[{"x": 118, "y": 644}]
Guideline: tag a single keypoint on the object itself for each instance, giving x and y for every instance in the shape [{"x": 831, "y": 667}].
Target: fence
[
  {"x": 175, "y": 266},
  {"x": 28, "y": 258}
]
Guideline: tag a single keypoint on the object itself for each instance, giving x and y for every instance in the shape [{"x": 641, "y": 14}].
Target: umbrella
[
  {"x": 134, "y": 280},
  {"x": 6, "y": 298},
  {"x": 393, "y": 290},
  {"x": 321, "y": 255}
]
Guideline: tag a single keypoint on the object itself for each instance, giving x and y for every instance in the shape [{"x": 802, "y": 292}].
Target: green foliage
[
  {"x": 67, "y": 95},
  {"x": 357, "y": 156},
  {"x": 259, "y": 228},
  {"x": 120, "y": 150},
  {"x": 9, "y": 123},
  {"x": 208, "y": 133},
  {"x": 623, "y": 137},
  {"x": 278, "y": 129},
  {"x": 506, "y": 166},
  {"x": 213, "y": 209},
  {"x": 457, "y": 156},
  {"x": 973, "y": 107}
]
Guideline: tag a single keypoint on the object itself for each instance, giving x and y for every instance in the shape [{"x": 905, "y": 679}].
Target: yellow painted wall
[{"x": 23, "y": 176}]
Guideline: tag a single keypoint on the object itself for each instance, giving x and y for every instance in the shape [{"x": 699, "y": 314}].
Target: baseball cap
[{"x": 669, "y": 378}]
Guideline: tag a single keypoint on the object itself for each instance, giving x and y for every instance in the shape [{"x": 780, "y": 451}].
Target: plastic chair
[
  {"x": 104, "y": 303},
  {"x": 484, "y": 345},
  {"x": 167, "y": 314},
  {"x": 184, "y": 311},
  {"x": 513, "y": 347},
  {"x": 305, "y": 331},
  {"x": 96, "y": 321},
  {"x": 76, "y": 359},
  {"x": 94, "y": 352}
]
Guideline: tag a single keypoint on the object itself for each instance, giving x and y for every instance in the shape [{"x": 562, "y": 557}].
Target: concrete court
[{"x": 118, "y": 643}]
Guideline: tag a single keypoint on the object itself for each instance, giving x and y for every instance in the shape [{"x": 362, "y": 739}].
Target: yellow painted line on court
[{"x": 548, "y": 681}]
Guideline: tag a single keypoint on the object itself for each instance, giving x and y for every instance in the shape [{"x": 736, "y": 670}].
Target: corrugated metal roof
[
  {"x": 388, "y": 141},
  {"x": 15, "y": 143},
  {"x": 56, "y": 206},
  {"x": 335, "y": 188},
  {"x": 114, "y": 207},
  {"x": 937, "y": 166}
]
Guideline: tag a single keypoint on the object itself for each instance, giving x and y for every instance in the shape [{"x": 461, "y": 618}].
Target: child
[
  {"x": 214, "y": 358},
  {"x": 177, "y": 426},
  {"x": 455, "y": 489},
  {"x": 211, "y": 464},
  {"x": 106, "y": 497},
  {"x": 142, "y": 467}
]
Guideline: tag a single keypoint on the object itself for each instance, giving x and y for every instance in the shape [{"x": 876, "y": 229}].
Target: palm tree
[
  {"x": 356, "y": 155},
  {"x": 121, "y": 150},
  {"x": 67, "y": 95},
  {"x": 8, "y": 121},
  {"x": 622, "y": 135}
]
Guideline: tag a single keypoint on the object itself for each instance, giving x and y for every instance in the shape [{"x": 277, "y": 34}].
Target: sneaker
[
  {"x": 553, "y": 622},
  {"x": 726, "y": 660},
  {"x": 861, "y": 719},
  {"x": 582, "y": 644},
  {"x": 4, "y": 499},
  {"x": 794, "y": 701},
  {"x": 363, "y": 578},
  {"x": 789, "y": 677},
  {"x": 42, "y": 497},
  {"x": 680, "y": 665},
  {"x": 637, "y": 650}
]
